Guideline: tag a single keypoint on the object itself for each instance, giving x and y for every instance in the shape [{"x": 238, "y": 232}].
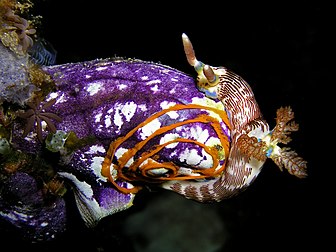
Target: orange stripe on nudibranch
[{"x": 139, "y": 170}]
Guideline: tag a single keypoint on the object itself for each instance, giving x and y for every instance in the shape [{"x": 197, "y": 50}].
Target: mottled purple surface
[
  {"x": 119, "y": 82},
  {"x": 107, "y": 99},
  {"x": 102, "y": 100}
]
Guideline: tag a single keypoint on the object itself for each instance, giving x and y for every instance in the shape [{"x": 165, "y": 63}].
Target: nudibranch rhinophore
[{"x": 240, "y": 144}]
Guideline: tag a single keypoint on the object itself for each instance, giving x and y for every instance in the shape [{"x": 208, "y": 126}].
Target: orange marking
[{"x": 140, "y": 172}]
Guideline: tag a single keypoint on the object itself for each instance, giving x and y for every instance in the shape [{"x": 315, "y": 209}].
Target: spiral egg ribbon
[{"x": 138, "y": 165}]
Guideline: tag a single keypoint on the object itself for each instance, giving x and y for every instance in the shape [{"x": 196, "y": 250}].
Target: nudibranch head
[
  {"x": 208, "y": 77},
  {"x": 220, "y": 83},
  {"x": 252, "y": 141}
]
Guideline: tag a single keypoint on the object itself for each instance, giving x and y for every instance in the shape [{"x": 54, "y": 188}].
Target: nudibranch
[{"x": 241, "y": 141}]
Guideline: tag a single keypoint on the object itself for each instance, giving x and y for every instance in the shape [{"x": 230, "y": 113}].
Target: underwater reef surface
[{"x": 279, "y": 210}]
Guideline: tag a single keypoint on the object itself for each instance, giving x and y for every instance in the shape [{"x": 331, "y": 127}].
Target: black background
[{"x": 281, "y": 50}]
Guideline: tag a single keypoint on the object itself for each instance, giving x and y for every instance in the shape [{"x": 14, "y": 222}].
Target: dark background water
[{"x": 281, "y": 50}]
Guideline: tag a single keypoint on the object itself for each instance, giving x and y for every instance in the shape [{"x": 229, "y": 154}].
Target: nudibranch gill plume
[{"x": 204, "y": 169}]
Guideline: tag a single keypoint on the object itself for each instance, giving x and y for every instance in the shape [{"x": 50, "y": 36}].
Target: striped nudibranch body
[
  {"x": 230, "y": 159},
  {"x": 246, "y": 120}
]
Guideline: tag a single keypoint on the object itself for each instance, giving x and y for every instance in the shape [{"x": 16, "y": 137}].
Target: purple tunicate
[{"x": 100, "y": 101}]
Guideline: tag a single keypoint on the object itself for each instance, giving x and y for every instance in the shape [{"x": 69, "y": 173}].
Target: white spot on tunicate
[
  {"x": 179, "y": 129},
  {"x": 44, "y": 224},
  {"x": 142, "y": 107},
  {"x": 199, "y": 134},
  {"x": 108, "y": 121},
  {"x": 96, "y": 167},
  {"x": 155, "y": 88},
  {"x": 61, "y": 99},
  {"x": 144, "y": 78},
  {"x": 172, "y": 91},
  {"x": 98, "y": 117},
  {"x": 128, "y": 110},
  {"x": 173, "y": 114},
  {"x": 166, "y": 105},
  {"x": 87, "y": 76},
  {"x": 169, "y": 137},
  {"x": 117, "y": 118},
  {"x": 94, "y": 88},
  {"x": 119, "y": 152},
  {"x": 101, "y": 68},
  {"x": 174, "y": 79},
  {"x": 55, "y": 95},
  {"x": 172, "y": 154},
  {"x": 122, "y": 86},
  {"x": 149, "y": 128},
  {"x": 152, "y": 82},
  {"x": 94, "y": 149},
  {"x": 52, "y": 96},
  {"x": 190, "y": 157},
  {"x": 207, "y": 161}
]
